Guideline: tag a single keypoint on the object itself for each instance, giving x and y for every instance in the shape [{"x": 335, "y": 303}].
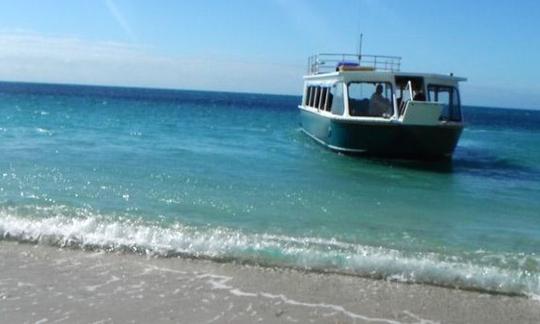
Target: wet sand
[{"x": 41, "y": 284}]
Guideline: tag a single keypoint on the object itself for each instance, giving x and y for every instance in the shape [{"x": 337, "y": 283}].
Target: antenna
[{"x": 360, "y": 48}]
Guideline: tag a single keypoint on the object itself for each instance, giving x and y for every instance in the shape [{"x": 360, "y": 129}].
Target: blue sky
[{"x": 262, "y": 46}]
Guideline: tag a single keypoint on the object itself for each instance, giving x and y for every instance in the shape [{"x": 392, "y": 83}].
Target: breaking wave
[{"x": 58, "y": 227}]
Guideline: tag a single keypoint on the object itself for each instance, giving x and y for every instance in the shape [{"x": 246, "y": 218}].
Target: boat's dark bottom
[
  {"x": 388, "y": 140},
  {"x": 389, "y": 154}
]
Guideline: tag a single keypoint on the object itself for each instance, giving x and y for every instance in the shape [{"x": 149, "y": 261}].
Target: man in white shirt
[{"x": 378, "y": 104}]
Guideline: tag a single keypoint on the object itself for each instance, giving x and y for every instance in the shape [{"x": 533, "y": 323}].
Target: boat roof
[
  {"x": 360, "y": 67},
  {"x": 379, "y": 76}
]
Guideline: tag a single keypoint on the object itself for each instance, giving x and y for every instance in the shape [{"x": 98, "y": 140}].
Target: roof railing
[{"x": 331, "y": 62}]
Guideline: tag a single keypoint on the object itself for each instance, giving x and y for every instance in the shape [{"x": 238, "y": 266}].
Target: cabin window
[
  {"x": 320, "y": 97},
  {"x": 317, "y": 97},
  {"x": 329, "y": 98},
  {"x": 449, "y": 97},
  {"x": 306, "y": 97},
  {"x": 335, "y": 99},
  {"x": 311, "y": 96},
  {"x": 417, "y": 88},
  {"x": 372, "y": 99},
  {"x": 322, "y": 103}
]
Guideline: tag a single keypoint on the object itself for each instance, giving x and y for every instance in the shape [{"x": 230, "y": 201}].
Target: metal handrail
[{"x": 329, "y": 62}]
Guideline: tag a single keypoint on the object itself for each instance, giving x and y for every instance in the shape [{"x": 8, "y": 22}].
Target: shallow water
[{"x": 230, "y": 176}]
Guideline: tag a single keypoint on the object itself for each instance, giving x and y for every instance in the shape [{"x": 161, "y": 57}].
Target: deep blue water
[{"x": 231, "y": 177}]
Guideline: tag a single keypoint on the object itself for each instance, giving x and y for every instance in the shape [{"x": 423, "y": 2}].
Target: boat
[{"x": 364, "y": 104}]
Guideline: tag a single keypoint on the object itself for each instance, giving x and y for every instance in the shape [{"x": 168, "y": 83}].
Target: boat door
[{"x": 409, "y": 88}]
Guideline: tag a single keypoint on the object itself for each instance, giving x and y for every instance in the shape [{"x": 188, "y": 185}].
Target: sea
[{"x": 230, "y": 177}]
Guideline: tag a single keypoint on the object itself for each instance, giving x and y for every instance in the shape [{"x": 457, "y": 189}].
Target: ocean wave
[{"x": 66, "y": 227}]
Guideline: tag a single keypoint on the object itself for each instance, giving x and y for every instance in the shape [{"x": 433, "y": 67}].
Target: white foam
[
  {"x": 44, "y": 131},
  {"x": 221, "y": 282},
  {"x": 534, "y": 297},
  {"x": 336, "y": 308},
  {"x": 81, "y": 228}
]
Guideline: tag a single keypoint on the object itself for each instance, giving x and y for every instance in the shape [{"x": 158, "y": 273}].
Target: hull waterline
[{"x": 385, "y": 139}]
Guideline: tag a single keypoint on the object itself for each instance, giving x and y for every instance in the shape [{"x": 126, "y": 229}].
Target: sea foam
[{"x": 91, "y": 231}]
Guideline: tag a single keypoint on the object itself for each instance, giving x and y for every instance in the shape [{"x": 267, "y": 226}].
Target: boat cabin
[{"x": 372, "y": 88}]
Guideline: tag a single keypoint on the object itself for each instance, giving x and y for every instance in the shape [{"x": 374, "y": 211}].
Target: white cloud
[
  {"x": 34, "y": 57},
  {"x": 120, "y": 19}
]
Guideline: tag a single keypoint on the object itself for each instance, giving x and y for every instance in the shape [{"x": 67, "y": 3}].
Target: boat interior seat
[{"x": 359, "y": 107}]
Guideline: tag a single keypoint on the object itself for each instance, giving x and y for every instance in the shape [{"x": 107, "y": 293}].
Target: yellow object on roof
[{"x": 345, "y": 68}]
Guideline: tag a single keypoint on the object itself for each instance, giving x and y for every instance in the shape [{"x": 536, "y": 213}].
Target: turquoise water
[{"x": 231, "y": 177}]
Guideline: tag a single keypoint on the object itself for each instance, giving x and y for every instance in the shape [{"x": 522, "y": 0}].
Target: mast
[{"x": 360, "y": 48}]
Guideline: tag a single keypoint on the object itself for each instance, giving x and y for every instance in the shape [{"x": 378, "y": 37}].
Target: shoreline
[
  {"x": 92, "y": 233},
  {"x": 247, "y": 263},
  {"x": 44, "y": 283}
]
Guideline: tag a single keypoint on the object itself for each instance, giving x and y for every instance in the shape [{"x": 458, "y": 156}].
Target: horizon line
[{"x": 203, "y": 90}]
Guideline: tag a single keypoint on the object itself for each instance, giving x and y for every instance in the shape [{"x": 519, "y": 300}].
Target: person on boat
[{"x": 378, "y": 104}]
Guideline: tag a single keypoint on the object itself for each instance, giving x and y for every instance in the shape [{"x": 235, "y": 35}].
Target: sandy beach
[
  {"x": 42, "y": 284},
  {"x": 240, "y": 161}
]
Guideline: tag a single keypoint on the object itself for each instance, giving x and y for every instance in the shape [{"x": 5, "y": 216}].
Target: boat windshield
[
  {"x": 373, "y": 99},
  {"x": 449, "y": 97}
]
